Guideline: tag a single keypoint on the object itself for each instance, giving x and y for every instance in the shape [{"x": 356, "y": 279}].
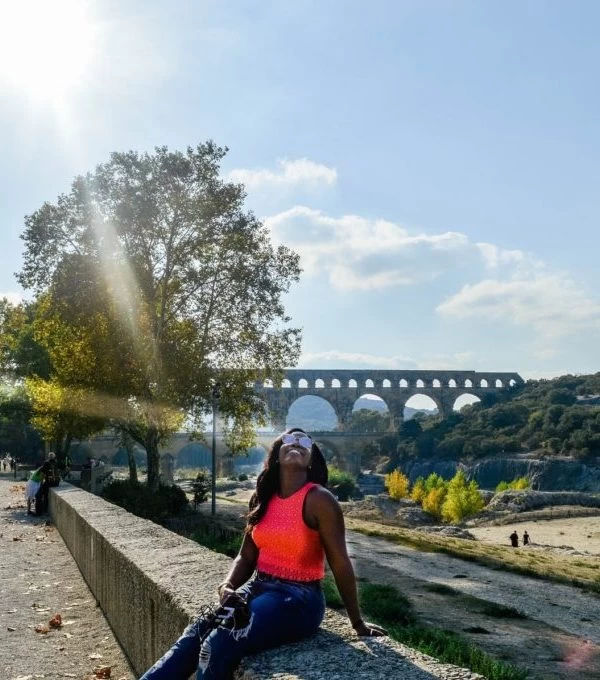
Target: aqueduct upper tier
[{"x": 341, "y": 388}]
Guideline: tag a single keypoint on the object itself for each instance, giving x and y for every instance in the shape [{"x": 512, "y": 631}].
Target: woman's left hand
[{"x": 369, "y": 630}]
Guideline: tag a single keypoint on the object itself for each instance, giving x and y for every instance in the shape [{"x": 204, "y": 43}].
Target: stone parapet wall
[{"x": 150, "y": 582}]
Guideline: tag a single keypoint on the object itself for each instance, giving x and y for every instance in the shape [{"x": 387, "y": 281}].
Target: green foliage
[
  {"x": 542, "y": 414},
  {"x": 151, "y": 274},
  {"x": 462, "y": 499},
  {"x": 227, "y": 544},
  {"x": 519, "y": 484},
  {"x": 369, "y": 420},
  {"x": 201, "y": 487},
  {"x": 167, "y": 501},
  {"x": 342, "y": 484}
]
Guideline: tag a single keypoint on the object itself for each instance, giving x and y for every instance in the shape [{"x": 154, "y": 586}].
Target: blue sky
[{"x": 436, "y": 163}]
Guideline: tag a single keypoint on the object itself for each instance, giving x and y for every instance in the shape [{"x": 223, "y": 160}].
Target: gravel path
[
  {"x": 39, "y": 578},
  {"x": 565, "y": 607}
]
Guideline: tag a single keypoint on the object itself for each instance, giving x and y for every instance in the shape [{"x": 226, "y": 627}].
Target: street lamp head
[{"x": 216, "y": 391}]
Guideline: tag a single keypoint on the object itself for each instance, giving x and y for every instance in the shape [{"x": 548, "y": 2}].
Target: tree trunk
[
  {"x": 153, "y": 458},
  {"x": 128, "y": 444}
]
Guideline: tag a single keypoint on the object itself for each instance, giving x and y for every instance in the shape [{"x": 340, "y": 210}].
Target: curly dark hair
[{"x": 267, "y": 484}]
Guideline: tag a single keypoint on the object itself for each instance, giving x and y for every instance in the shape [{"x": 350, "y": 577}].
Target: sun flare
[{"x": 46, "y": 46}]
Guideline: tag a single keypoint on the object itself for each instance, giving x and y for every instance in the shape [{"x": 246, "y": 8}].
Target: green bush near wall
[{"x": 136, "y": 498}]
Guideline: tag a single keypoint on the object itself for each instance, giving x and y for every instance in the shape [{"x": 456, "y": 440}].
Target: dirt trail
[
  {"x": 557, "y": 638},
  {"x": 38, "y": 578}
]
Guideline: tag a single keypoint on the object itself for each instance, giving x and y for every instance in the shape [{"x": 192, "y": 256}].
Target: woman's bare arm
[
  {"x": 324, "y": 510},
  {"x": 241, "y": 569}
]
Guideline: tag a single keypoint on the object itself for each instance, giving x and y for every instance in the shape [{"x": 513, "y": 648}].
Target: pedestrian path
[{"x": 38, "y": 579}]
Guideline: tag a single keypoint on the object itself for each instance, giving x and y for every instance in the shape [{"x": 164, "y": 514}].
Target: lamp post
[{"x": 215, "y": 394}]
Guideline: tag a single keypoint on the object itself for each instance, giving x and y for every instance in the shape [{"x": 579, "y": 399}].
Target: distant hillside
[{"x": 559, "y": 417}]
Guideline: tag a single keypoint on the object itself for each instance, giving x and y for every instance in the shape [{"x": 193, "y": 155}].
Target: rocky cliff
[{"x": 545, "y": 474}]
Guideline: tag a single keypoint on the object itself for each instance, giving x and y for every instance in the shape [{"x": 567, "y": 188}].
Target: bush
[
  {"x": 138, "y": 499},
  {"x": 397, "y": 485},
  {"x": 433, "y": 501},
  {"x": 462, "y": 499},
  {"x": 201, "y": 487},
  {"x": 418, "y": 492},
  {"x": 243, "y": 477},
  {"x": 518, "y": 484},
  {"x": 342, "y": 484}
]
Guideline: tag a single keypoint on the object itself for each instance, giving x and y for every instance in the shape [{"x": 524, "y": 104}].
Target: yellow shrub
[
  {"x": 397, "y": 485},
  {"x": 418, "y": 491},
  {"x": 433, "y": 501}
]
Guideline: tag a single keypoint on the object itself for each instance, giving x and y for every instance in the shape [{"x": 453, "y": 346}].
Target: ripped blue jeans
[{"x": 282, "y": 612}]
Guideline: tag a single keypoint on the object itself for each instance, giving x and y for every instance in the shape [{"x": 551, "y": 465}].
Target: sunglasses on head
[{"x": 297, "y": 438}]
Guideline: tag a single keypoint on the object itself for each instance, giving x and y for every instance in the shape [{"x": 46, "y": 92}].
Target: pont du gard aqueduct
[{"x": 341, "y": 389}]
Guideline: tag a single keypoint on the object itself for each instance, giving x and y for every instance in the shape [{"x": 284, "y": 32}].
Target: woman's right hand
[
  {"x": 369, "y": 630},
  {"x": 225, "y": 592}
]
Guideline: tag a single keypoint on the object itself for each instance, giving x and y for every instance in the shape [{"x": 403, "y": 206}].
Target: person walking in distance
[
  {"x": 272, "y": 594},
  {"x": 514, "y": 539},
  {"x": 525, "y": 538}
]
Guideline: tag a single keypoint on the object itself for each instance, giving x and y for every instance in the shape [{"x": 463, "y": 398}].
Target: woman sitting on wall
[{"x": 272, "y": 594}]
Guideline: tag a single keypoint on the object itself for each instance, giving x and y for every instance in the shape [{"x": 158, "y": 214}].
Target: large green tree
[{"x": 152, "y": 264}]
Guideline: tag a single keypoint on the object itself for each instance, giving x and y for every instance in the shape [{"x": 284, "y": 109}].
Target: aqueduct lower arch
[{"x": 341, "y": 388}]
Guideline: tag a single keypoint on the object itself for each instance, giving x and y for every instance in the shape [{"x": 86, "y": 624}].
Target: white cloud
[
  {"x": 357, "y": 253},
  {"x": 291, "y": 173},
  {"x": 552, "y": 304},
  {"x": 12, "y": 297}
]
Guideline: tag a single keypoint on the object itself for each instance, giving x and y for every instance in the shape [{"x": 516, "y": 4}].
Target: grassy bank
[
  {"x": 385, "y": 605},
  {"x": 583, "y": 572}
]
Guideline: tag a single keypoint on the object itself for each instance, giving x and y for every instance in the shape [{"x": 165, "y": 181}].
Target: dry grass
[{"x": 579, "y": 571}]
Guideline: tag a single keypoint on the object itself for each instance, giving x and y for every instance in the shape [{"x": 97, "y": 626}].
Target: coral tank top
[{"x": 287, "y": 547}]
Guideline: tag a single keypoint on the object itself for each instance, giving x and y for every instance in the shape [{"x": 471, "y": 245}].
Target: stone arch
[
  {"x": 451, "y": 382},
  {"x": 465, "y": 399},
  {"x": 302, "y": 384},
  {"x": 512, "y": 382},
  {"x": 386, "y": 383},
  {"x": 319, "y": 383},
  {"x": 313, "y": 413},
  {"x": 468, "y": 382},
  {"x": 403, "y": 382},
  {"x": 330, "y": 451},
  {"x": 483, "y": 383},
  {"x": 286, "y": 384},
  {"x": 336, "y": 383},
  {"x": 352, "y": 383},
  {"x": 375, "y": 406},
  {"x": 252, "y": 462},
  {"x": 268, "y": 384},
  {"x": 436, "y": 383},
  {"x": 195, "y": 455},
  {"x": 420, "y": 383},
  {"x": 421, "y": 403},
  {"x": 369, "y": 384},
  {"x": 499, "y": 383}
]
